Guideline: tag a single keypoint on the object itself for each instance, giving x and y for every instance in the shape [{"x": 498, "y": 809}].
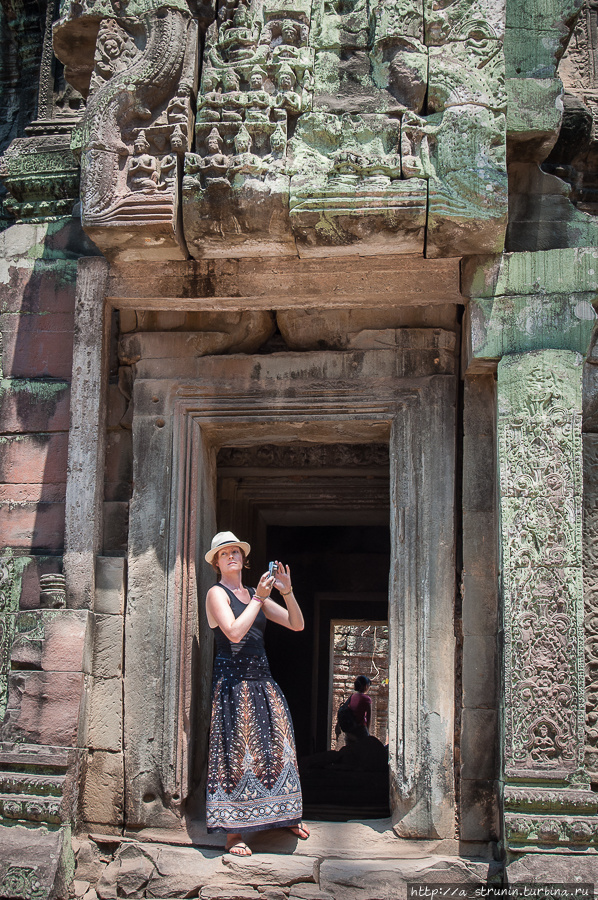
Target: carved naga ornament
[{"x": 135, "y": 130}]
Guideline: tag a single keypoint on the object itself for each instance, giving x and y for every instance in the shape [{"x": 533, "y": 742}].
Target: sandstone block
[
  {"x": 102, "y": 799},
  {"x": 479, "y": 537},
  {"x": 30, "y": 525},
  {"x": 34, "y": 862},
  {"x": 104, "y": 721},
  {"x": 270, "y": 893},
  {"x": 529, "y": 322},
  {"x": 106, "y": 886},
  {"x": 45, "y": 707},
  {"x": 118, "y": 471},
  {"x": 116, "y": 406},
  {"x": 480, "y": 671},
  {"x": 32, "y": 348},
  {"x": 479, "y": 744},
  {"x": 33, "y": 405},
  {"x": 388, "y": 879},
  {"x": 590, "y": 398},
  {"x": 479, "y": 417},
  {"x": 229, "y": 892},
  {"x": 182, "y": 872},
  {"x": 47, "y": 288},
  {"x": 110, "y": 585},
  {"x": 263, "y": 869},
  {"x": 107, "y": 646},
  {"x": 534, "y": 116},
  {"x": 546, "y": 868},
  {"x": 309, "y": 892},
  {"x": 479, "y": 817},
  {"x": 52, "y": 640},
  {"x": 89, "y": 865},
  {"x": 479, "y": 489},
  {"x": 116, "y": 527},
  {"x": 480, "y": 602},
  {"x": 560, "y": 271},
  {"x": 27, "y": 458}
]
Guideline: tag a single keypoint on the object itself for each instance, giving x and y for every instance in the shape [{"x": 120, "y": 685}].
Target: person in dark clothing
[
  {"x": 360, "y": 704},
  {"x": 362, "y": 751},
  {"x": 253, "y": 781}
]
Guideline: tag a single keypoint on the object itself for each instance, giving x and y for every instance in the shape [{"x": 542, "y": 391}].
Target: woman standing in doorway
[{"x": 253, "y": 781}]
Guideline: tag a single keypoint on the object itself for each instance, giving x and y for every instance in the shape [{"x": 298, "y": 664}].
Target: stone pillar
[
  {"x": 85, "y": 473},
  {"x": 540, "y": 499}
]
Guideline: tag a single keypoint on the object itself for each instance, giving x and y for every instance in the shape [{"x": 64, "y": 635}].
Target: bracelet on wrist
[
  {"x": 286, "y": 593},
  {"x": 259, "y": 599}
]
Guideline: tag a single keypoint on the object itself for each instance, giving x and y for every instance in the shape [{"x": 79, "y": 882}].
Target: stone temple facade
[{"x": 322, "y": 272}]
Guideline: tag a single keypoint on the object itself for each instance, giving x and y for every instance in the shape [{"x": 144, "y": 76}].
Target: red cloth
[{"x": 361, "y": 707}]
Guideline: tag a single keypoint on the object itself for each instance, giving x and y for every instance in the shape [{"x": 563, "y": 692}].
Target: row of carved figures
[{"x": 222, "y": 99}]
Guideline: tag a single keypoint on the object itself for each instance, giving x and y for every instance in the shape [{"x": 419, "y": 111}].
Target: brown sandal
[{"x": 301, "y": 831}]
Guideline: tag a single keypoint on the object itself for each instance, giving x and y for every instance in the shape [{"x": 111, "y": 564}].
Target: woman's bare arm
[
  {"x": 219, "y": 613},
  {"x": 291, "y": 617}
]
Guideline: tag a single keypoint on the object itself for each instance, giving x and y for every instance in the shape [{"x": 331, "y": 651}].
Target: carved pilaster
[
  {"x": 540, "y": 464},
  {"x": 590, "y": 561},
  {"x": 8, "y": 608}
]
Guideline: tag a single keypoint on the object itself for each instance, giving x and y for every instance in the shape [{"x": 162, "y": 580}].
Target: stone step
[
  {"x": 152, "y": 870},
  {"x": 371, "y": 839}
]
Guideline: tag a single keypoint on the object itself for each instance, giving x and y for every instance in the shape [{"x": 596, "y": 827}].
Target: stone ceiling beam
[{"x": 230, "y": 284}]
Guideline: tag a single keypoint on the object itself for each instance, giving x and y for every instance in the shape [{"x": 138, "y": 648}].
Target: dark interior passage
[
  {"x": 324, "y": 510},
  {"x": 338, "y": 572}
]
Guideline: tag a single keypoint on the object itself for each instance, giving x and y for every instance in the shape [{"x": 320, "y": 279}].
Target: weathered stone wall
[{"x": 45, "y": 648}]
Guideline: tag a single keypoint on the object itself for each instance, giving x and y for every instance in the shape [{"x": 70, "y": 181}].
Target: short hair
[{"x": 362, "y": 682}]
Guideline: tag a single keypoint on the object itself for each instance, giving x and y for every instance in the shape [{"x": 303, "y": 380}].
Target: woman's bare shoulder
[{"x": 217, "y": 592}]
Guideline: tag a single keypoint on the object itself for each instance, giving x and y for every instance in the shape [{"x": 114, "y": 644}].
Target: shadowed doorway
[{"x": 324, "y": 511}]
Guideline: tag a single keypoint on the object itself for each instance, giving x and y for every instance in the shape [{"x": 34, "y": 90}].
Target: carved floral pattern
[
  {"x": 590, "y": 560},
  {"x": 8, "y": 605},
  {"x": 524, "y": 830},
  {"x": 541, "y": 489}
]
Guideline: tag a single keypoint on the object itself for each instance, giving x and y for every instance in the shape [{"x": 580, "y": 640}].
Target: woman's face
[{"x": 230, "y": 559}]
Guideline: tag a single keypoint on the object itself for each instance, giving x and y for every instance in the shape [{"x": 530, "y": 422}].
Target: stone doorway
[
  {"x": 324, "y": 509},
  {"x": 189, "y": 414}
]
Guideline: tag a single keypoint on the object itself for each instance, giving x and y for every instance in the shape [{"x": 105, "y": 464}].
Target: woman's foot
[
  {"x": 236, "y": 846},
  {"x": 301, "y": 830}
]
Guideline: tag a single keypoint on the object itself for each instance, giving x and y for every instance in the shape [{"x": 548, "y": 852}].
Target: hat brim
[{"x": 209, "y": 557}]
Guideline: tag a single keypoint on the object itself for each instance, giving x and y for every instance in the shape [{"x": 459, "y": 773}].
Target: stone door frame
[{"x": 184, "y": 410}]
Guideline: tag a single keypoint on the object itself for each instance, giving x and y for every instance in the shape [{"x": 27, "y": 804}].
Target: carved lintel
[{"x": 306, "y": 456}]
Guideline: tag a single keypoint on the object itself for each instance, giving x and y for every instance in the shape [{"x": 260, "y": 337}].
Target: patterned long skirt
[{"x": 253, "y": 780}]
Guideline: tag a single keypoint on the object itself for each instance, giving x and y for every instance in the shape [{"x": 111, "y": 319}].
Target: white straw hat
[{"x": 225, "y": 539}]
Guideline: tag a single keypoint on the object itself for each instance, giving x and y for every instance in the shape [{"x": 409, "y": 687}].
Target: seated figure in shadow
[{"x": 354, "y": 779}]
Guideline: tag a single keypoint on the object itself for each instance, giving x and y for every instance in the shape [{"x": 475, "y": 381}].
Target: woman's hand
[
  {"x": 265, "y": 585},
  {"x": 282, "y": 580}
]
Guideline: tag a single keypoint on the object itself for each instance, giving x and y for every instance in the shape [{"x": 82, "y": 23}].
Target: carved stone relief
[
  {"x": 311, "y": 131},
  {"x": 540, "y": 463},
  {"x": 540, "y": 494},
  {"x": 323, "y": 128},
  {"x": 590, "y": 561},
  {"x": 135, "y": 130},
  {"x": 8, "y": 608}
]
